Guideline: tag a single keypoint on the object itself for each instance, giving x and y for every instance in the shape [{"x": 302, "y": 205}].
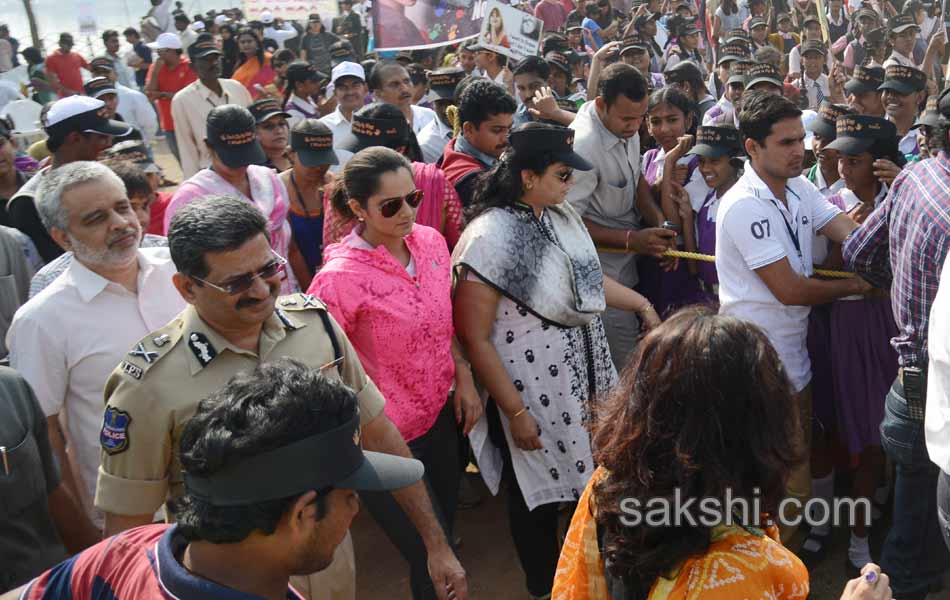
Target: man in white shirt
[
  {"x": 764, "y": 230},
  {"x": 68, "y": 338},
  {"x": 123, "y": 72},
  {"x": 435, "y": 135},
  {"x": 191, "y": 104},
  {"x": 349, "y": 89},
  {"x": 279, "y": 32},
  {"x": 390, "y": 82},
  {"x": 187, "y": 35},
  {"x": 937, "y": 415},
  {"x": 133, "y": 104},
  {"x": 813, "y": 80}
]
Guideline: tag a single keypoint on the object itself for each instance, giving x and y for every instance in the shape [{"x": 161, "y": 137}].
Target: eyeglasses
[
  {"x": 242, "y": 283},
  {"x": 389, "y": 207},
  {"x": 565, "y": 176}
]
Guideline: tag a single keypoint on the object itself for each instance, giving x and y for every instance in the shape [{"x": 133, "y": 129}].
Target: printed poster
[
  {"x": 419, "y": 24},
  {"x": 292, "y": 10},
  {"x": 86, "y": 13},
  {"x": 509, "y": 31}
]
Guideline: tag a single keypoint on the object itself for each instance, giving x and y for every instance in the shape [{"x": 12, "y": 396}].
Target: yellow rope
[{"x": 710, "y": 258}]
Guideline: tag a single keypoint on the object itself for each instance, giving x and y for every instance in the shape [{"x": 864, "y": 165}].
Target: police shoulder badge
[{"x": 114, "y": 437}]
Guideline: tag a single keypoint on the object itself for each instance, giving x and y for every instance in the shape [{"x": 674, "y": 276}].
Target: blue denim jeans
[{"x": 914, "y": 555}]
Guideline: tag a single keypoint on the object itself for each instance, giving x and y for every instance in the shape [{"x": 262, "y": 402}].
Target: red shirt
[
  {"x": 170, "y": 80},
  {"x": 157, "y": 211},
  {"x": 66, "y": 68}
]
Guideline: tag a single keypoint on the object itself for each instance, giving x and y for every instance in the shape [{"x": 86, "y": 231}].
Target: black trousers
[
  {"x": 534, "y": 532},
  {"x": 438, "y": 451}
]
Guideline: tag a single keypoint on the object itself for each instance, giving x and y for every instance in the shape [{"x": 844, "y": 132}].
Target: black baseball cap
[
  {"x": 301, "y": 70},
  {"x": 900, "y": 23},
  {"x": 634, "y": 42},
  {"x": 231, "y": 133},
  {"x": 203, "y": 46},
  {"x": 810, "y": 19},
  {"x": 931, "y": 115},
  {"x": 713, "y": 142},
  {"x": 857, "y": 133},
  {"x": 685, "y": 70},
  {"x": 442, "y": 82},
  {"x": 757, "y": 22},
  {"x": 763, "y": 72},
  {"x": 99, "y": 86},
  {"x": 903, "y": 80},
  {"x": 828, "y": 115},
  {"x": 81, "y": 113},
  {"x": 558, "y": 61},
  {"x": 265, "y": 108},
  {"x": 341, "y": 51},
  {"x": 813, "y": 46},
  {"x": 738, "y": 34},
  {"x": 330, "y": 459},
  {"x": 134, "y": 151},
  {"x": 865, "y": 79},
  {"x": 738, "y": 72},
  {"x": 734, "y": 51},
  {"x": 391, "y": 133},
  {"x": 312, "y": 140},
  {"x": 553, "y": 139}
]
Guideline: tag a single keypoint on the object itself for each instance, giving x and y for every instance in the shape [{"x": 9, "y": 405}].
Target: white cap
[
  {"x": 267, "y": 17},
  {"x": 221, "y": 20},
  {"x": 71, "y": 106},
  {"x": 166, "y": 41},
  {"x": 198, "y": 26},
  {"x": 808, "y": 117},
  {"x": 348, "y": 69}
]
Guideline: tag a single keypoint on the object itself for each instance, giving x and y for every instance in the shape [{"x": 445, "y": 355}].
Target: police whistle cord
[{"x": 711, "y": 258}]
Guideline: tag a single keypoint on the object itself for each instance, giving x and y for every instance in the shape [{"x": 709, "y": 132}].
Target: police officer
[{"x": 230, "y": 277}]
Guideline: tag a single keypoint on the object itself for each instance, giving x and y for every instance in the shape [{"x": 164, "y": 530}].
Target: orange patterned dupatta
[{"x": 739, "y": 564}]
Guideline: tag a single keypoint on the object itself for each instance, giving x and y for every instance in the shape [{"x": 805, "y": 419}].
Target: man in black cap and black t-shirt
[
  {"x": 78, "y": 129},
  {"x": 435, "y": 135}
]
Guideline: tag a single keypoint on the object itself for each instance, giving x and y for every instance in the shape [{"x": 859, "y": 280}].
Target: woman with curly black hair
[
  {"x": 704, "y": 411},
  {"x": 528, "y": 298}
]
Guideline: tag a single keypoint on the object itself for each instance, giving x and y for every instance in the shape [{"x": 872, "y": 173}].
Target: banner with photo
[
  {"x": 509, "y": 31},
  {"x": 420, "y": 24},
  {"x": 292, "y": 10}
]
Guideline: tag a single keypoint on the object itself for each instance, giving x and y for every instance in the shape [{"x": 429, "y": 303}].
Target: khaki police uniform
[{"x": 153, "y": 393}]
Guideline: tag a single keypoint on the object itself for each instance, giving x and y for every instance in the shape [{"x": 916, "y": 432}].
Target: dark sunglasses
[
  {"x": 242, "y": 283},
  {"x": 565, "y": 176},
  {"x": 390, "y": 206}
]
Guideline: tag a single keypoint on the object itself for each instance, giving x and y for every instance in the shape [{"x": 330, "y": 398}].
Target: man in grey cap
[{"x": 902, "y": 31}]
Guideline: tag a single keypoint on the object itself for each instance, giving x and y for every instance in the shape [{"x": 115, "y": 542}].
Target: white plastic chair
[{"x": 25, "y": 115}]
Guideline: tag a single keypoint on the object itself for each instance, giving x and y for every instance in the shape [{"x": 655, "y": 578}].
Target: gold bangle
[
  {"x": 646, "y": 307},
  {"x": 523, "y": 410}
]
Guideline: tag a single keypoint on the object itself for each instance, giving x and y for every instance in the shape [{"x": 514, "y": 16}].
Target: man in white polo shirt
[{"x": 764, "y": 231}]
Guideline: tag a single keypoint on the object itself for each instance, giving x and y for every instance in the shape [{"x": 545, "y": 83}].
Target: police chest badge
[{"x": 114, "y": 437}]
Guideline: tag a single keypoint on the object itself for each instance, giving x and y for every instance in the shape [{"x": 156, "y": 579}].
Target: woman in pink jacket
[{"x": 388, "y": 283}]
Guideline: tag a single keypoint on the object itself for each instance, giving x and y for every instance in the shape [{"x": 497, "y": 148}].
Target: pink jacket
[{"x": 401, "y": 326}]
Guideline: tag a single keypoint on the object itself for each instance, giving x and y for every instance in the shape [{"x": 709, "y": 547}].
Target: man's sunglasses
[
  {"x": 390, "y": 206},
  {"x": 242, "y": 283}
]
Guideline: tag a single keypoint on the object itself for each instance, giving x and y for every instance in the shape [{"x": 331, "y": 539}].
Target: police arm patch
[{"x": 114, "y": 437}]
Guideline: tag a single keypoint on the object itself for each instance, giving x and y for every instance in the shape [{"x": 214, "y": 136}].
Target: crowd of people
[{"x": 678, "y": 251}]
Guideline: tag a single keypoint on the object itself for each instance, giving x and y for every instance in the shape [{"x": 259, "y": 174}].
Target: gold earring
[{"x": 529, "y": 186}]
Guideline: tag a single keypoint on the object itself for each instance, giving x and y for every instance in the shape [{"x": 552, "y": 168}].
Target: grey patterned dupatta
[{"x": 548, "y": 265}]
